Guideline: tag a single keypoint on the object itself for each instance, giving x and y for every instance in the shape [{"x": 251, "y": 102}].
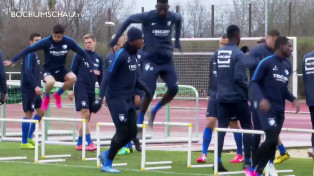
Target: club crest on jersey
[
  {"x": 139, "y": 56},
  {"x": 287, "y": 72},
  {"x": 169, "y": 23},
  {"x": 122, "y": 118},
  {"x": 64, "y": 46},
  {"x": 51, "y": 47},
  {"x": 272, "y": 122},
  {"x": 97, "y": 60},
  {"x": 83, "y": 103}
]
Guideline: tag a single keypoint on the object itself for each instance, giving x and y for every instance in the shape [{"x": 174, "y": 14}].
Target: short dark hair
[
  {"x": 282, "y": 40},
  {"x": 162, "y": 1},
  {"x": 233, "y": 31},
  {"x": 58, "y": 29},
  {"x": 273, "y": 33},
  {"x": 245, "y": 49},
  {"x": 262, "y": 40},
  {"x": 224, "y": 36},
  {"x": 33, "y": 35}
]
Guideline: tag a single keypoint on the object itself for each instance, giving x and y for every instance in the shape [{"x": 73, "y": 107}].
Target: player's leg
[
  {"x": 267, "y": 149},
  {"x": 119, "y": 112},
  {"x": 238, "y": 158},
  {"x": 311, "y": 108},
  {"x": 150, "y": 76},
  {"x": 284, "y": 155},
  {"x": 211, "y": 119},
  {"x": 244, "y": 115},
  {"x": 69, "y": 79},
  {"x": 49, "y": 83},
  {"x": 223, "y": 122},
  {"x": 28, "y": 113},
  {"x": 91, "y": 99},
  {"x": 169, "y": 75},
  {"x": 38, "y": 116},
  {"x": 256, "y": 137}
]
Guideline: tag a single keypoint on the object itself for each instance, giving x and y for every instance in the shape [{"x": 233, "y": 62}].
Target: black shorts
[
  {"x": 119, "y": 108},
  {"x": 30, "y": 101},
  {"x": 83, "y": 99},
  {"x": 272, "y": 120},
  {"x": 212, "y": 111},
  {"x": 58, "y": 74}
]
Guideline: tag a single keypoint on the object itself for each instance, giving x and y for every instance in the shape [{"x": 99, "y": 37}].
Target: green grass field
[{"x": 75, "y": 167}]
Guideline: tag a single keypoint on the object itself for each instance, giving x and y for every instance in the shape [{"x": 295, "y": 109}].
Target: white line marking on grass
[{"x": 90, "y": 167}]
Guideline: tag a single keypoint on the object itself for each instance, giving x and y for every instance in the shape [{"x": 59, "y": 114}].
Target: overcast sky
[{"x": 150, "y": 4}]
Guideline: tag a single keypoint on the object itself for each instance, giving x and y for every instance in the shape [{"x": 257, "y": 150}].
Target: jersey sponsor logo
[
  {"x": 275, "y": 68},
  {"x": 86, "y": 64},
  {"x": 280, "y": 78},
  {"x": 161, "y": 33},
  {"x": 83, "y": 103},
  {"x": 122, "y": 118},
  {"x": 64, "y": 46},
  {"x": 96, "y": 65},
  {"x": 224, "y": 58},
  {"x": 59, "y": 53},
  {"x": 132, "y": 67},
  {"x": 309, "y": 64}
]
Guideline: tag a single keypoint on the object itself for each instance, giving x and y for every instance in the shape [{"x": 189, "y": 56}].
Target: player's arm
[
  {"x": 101, "y": 66},
  {"x": 75, "y": 64},
  {"x": 240, "y": 73},
  {"x": 29, "y": 63},
  {"x": 255, "y": 93},
  {"x": 35, "y": 47},
  {"x": 136, "y": 18},
  {"x": 178, "y": 27},
  {"x": 3, "y": 80},
  {"x": 251, "y": 59},
  {"x": 212, "y": 74}
]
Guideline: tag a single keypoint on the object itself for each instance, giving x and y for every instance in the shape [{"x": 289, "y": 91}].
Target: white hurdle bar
[
  {"x": 98, "y": 125},
  {"x": 43, "y": 142},
  {"x": 248, "y": 132},
  {"x": 36, "y": 138},
  {"x": 144, "y": 141}
]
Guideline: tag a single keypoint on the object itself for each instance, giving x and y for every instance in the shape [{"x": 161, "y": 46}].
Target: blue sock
[
  {"x": 238, "y": 140},
  {"x": 108, "y": 162},
  {"x": 282, "y": 149},
  {"x": 207, "y": 137},
  {"x": 79, "y": 140},
  {"x": 47, "y": 95},
  {"x": 60, "y": 91},
  {"x": 248, "y": 160},
  {"x": 25, "y": 130},
  {"x": 129, "y": 144},
  {"x": 88, "y": 139},
  {"x": 140, "y": 117},
  {"x": 219, "y": 160},
  {"x": 156, "y": 108},
  {"x": 271, "y": 161},
  {"x": 32, "y": 126},
  {"x": 259, "y": 174}
]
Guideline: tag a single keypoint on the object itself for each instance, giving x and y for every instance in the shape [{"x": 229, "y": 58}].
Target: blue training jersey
[
  {"x": 157, "y": 34},
  {"x": 270, "y": 81},
  {"x": 108, "y": 60},
  {"x": 212, "y": 88},
  {"x": 308, "y": 77},
  {"x": 55, "y": 52},
  {"x": 3, "y": 80},
  {"x": 81, "y": 68},
  {"x": 232, "y": 84},
  {"x": 30, "y": 72}
]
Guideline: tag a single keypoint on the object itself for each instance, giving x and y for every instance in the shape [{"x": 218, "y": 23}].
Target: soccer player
[
  {"x": 122, "y": 80},
  {"x": 31, "y": 93},
  {"x": 3, "y": 81},
  {"x": 211, "y": 115},
  {"x": 268, "y": 91},
  {"x": 157, "y": 28},
  {"x": 232, "y": 91},
  {"x": 256, "y": 55},
  {"x": 56, "y": 47},
  {"x": 308, "y": 80},
  {"x": 84, "y": 89}
]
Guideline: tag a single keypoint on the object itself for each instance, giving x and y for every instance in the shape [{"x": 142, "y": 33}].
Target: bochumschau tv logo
[{"x": 46, "y": 14}]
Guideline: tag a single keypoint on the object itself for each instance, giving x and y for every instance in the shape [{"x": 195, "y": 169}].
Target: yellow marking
[{"x": 190, "y": 125}]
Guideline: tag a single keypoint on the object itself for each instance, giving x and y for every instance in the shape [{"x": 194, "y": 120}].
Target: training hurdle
[
  {"x": 248, "y": 132},
  {"x": 36, "y": 139},
  {"x": 98, "y": 125},
  {"x": 144, "y": 142},
  {"x": 44, "y": 142}
]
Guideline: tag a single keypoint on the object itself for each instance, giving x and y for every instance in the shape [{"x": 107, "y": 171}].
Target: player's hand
[
  {"x": 96, "y": 72},
  {"x": 38, "y": 91},
  {"x": 8, "y": 63},
  {"x": 296, "y": 105},
  {"x": 264, "y": 105},
  {"x": 104, "y": 101},
  {"x": 71, "y": 95},
  {"x": 178, "y": 46},
  {"x": 207, "y": 98},
  {"x": 5, "y": 96}
]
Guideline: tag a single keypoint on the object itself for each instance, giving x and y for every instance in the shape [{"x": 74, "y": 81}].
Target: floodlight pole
[{"x": 266, "y": 17}]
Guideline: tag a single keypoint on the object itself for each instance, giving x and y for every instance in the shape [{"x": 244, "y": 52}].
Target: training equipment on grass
[
  {"x": 46, "y": 141},
  {"x": 36, "y": 139}
]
